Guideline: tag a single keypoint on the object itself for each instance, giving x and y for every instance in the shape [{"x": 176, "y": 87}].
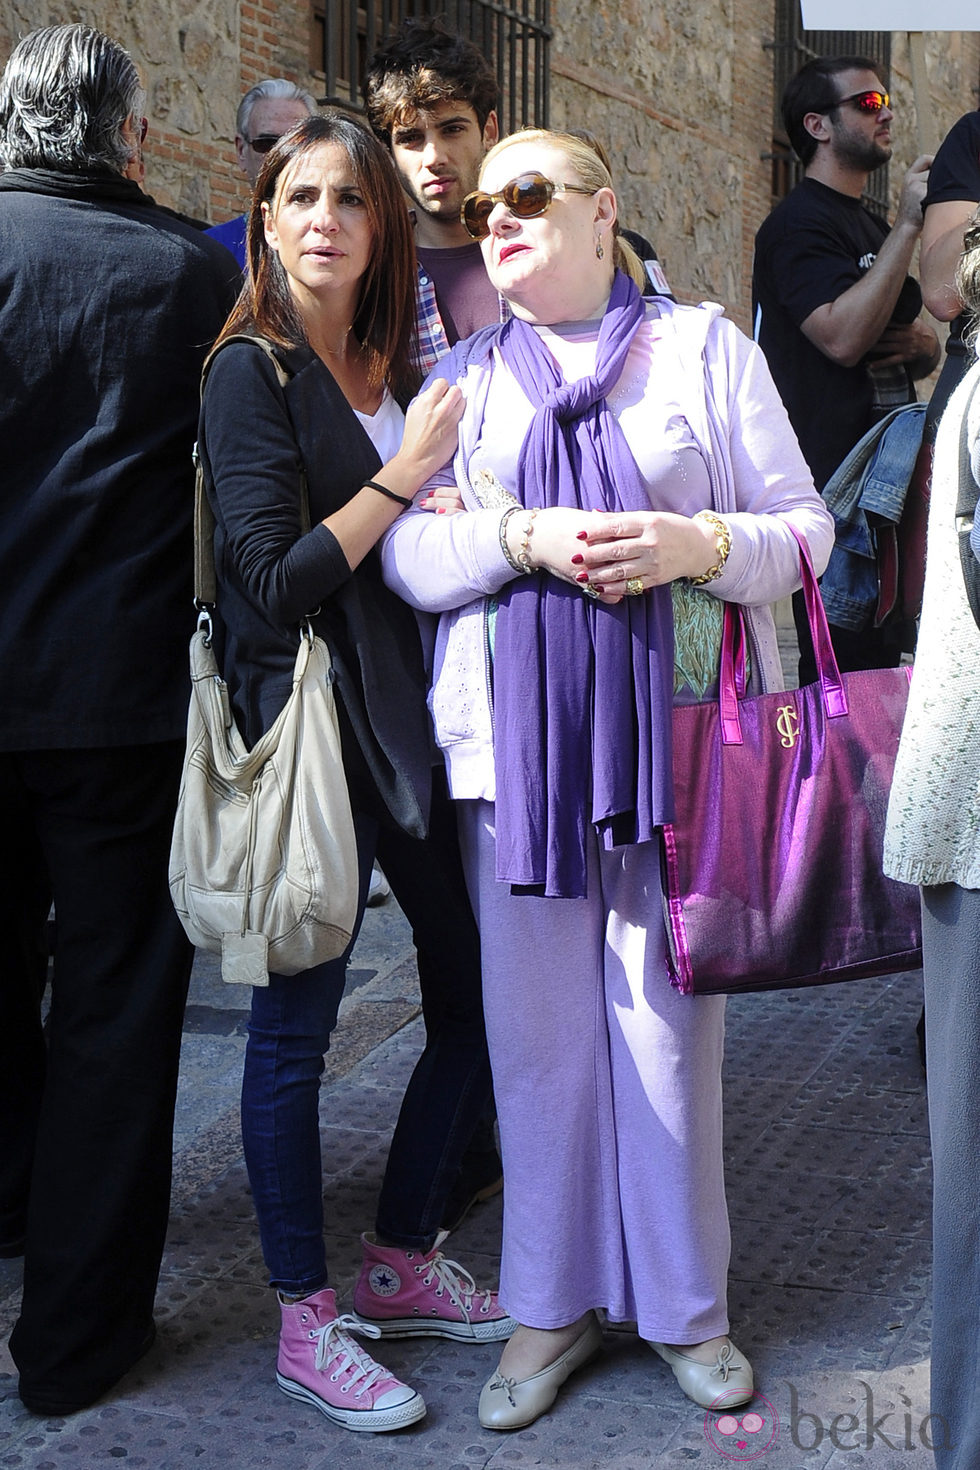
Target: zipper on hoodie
[{"x": 488, "y": 602}]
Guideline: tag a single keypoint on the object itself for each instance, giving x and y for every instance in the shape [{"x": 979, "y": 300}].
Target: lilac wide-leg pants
[{"x": 608, "y": 1089}]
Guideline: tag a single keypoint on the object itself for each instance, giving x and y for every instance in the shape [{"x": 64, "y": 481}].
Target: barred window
[
  {"x": 513, "y": 34},
  {"x": 792, "y": 48}
]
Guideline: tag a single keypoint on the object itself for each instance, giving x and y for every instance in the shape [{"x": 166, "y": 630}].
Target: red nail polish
[
  {"x": 581, "y": 576},
  {"x": 440, "y": 510},
  {"x": 599, "y": 587},
  {"x": 581, "y": 536},
  {"x": 577, "y": 559}
]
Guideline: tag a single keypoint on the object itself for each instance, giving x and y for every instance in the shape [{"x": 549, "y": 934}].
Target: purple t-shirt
[{"x": 466, "y": 299}]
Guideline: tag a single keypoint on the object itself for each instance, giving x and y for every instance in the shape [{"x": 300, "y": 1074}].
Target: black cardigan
[{"x": 254, "y": 435}]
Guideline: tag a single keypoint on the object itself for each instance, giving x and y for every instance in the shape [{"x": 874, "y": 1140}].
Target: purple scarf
[{"x": 582, "y": 691}]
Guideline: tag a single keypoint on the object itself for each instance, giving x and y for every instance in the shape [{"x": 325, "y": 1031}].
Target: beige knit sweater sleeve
[{"x": 933, "y": 829}]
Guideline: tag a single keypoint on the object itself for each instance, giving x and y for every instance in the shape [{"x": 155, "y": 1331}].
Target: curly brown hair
[{"x": 421, "y": 65}]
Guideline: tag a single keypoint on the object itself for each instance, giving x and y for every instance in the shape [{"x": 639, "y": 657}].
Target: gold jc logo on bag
[{"x": 787, "y": 724}]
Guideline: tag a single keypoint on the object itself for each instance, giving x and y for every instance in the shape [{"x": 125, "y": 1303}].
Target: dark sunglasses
[
  {"x": 264, "y": 142},
  {"x": 527, "y": 196},
  {"x": 863, "y": 101}
]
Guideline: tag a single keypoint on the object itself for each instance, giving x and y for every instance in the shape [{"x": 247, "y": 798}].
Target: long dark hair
[{"x": 385, "y": 320}]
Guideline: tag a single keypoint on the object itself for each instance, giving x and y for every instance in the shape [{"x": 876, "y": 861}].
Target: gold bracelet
[
  {"x": 502, "y": 533},
  {"x": 524, "y": 555},
  {"x": 723, "y": 545}
]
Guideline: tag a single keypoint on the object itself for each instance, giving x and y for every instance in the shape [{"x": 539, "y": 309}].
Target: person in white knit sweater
[{"x": 933, "y": 838}]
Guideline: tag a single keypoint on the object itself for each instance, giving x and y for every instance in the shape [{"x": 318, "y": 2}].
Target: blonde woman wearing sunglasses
[{"x": 611, "y": 449}]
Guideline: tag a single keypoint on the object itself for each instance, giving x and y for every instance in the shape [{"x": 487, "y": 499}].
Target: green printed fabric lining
[{"x": 698, "y": 622}]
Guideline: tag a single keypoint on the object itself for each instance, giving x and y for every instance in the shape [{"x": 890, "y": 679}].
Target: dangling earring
[{"x": 599, "y": 252}]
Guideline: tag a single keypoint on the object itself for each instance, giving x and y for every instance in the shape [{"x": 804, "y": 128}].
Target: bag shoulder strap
[
  {"x": 831, "y": 684},
  {"x": 968, "y": 492},
  {"x": 205, "y": 579}
]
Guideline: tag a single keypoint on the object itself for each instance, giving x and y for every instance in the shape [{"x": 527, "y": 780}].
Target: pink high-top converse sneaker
[
  {"x": 406, "y": 1293},
  {"x": 321, "y": 1364}
]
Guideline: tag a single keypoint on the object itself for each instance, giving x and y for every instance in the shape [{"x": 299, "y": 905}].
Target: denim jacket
[{"x": 873, "y": 479}]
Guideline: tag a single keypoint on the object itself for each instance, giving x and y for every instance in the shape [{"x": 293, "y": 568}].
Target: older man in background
[
  {"x": 107, "y": 307},
  {"x": 267, "y": 110}
]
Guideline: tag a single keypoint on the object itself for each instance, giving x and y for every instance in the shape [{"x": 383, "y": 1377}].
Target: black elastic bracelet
[{"x": 383, "y": 490}]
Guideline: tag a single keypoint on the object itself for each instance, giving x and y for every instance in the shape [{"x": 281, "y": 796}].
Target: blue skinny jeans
[{"x": 289, "y": 1031}]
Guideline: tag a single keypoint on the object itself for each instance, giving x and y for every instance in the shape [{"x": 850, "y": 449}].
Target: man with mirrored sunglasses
[
  {"x": 267, "y": 110},
  {"x": 836, "y": 312}
]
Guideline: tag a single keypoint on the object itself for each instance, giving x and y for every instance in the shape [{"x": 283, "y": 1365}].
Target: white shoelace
[
  {"x": 457, "y": 1281},
  {"x": 334, "y": 1343}
]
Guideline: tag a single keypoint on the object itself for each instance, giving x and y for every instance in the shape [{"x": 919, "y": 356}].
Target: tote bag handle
[{"x": 731, "y": 679}]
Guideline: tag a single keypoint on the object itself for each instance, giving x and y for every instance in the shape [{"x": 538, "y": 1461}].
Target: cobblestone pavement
[{"x": 828, "y": 1174}]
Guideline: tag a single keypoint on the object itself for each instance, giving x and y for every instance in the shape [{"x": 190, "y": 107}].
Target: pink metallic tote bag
[{"x": 772, "y": 865}]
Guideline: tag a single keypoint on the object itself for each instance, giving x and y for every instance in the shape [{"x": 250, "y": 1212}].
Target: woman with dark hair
[{"x": 331, "y": 288}]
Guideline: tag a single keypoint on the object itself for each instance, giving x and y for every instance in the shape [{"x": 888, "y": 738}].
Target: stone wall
[
  {"x": 681, "y": 95},
  {"x": 196, "y": 57},
  {"x": 685, "y": 106},
  {"x": 685, "y": 123}
]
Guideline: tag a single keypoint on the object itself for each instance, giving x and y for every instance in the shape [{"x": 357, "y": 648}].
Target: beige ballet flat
[
  {"x": 724, "y": 1384},
  {"x": 513, "y": 1403}
]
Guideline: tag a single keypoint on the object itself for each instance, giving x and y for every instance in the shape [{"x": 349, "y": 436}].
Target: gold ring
[
  {"x": 634, "y": 587},
  {"x": 590, "y": 591}
]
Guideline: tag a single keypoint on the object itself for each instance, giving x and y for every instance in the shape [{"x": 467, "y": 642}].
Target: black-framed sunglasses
[
  {"x": 527, "y": 196},
  {"x": 264, "y": 142},
  {"x": 864, "y": 102}
]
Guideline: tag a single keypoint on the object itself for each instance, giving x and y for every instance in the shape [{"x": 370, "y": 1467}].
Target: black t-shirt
[
  {"x": 658, "y": 285},
  {"x": 815, "y": 245},
  {"x": 955, "y": 173}
]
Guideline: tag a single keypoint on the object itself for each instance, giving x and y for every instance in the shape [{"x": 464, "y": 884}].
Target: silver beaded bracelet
[{"x": 502, "y": 533}]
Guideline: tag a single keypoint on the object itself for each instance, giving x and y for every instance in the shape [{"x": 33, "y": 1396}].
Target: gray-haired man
[
  {"x": 267, "y": 110},
  {"x": 107, "y": 306}
]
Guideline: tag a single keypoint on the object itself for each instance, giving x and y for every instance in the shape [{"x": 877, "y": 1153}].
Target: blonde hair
[
  {"x": 591, "y": 173},
  {"x": 967, "y": 277}
]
